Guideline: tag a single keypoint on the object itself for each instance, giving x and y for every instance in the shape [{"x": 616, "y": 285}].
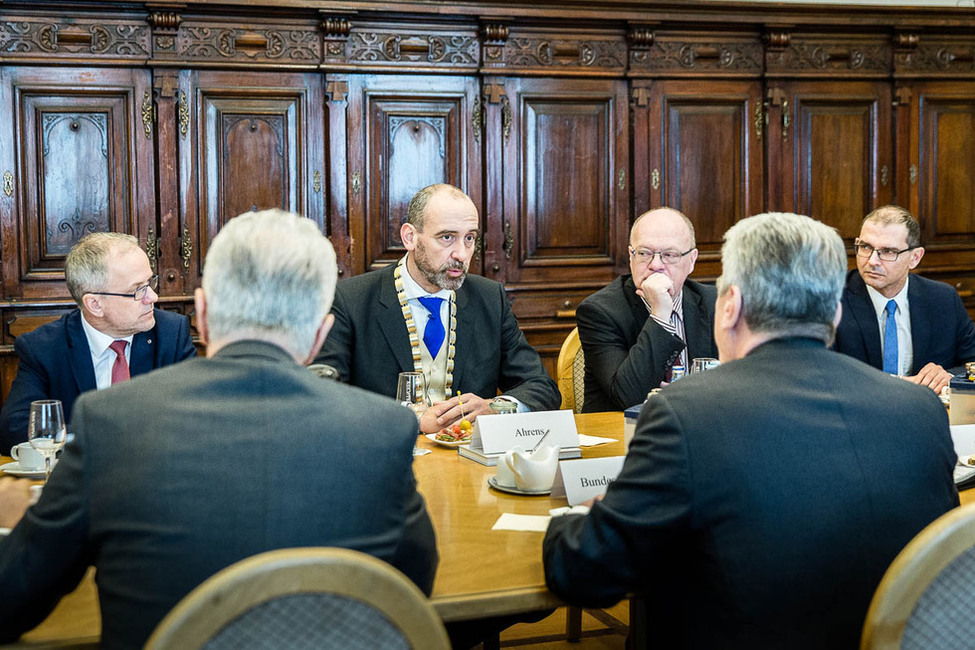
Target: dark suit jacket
[
  {"x": 54, "y": 362},
  {"x": 178, "y": 474},
  {"x": 627, "y": 352},
  {"x": 762, "y": 501},
  {"x": 941, "y": 330},
  {"x": 369, "y": 344}
]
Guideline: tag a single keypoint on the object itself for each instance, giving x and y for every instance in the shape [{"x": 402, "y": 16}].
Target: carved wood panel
[
  {"x": 79, "y": 161},
  {"x": 942, "y": 163},
  {"x": 692, "y": 54},
  {"x": 265, "y": 41},
  {"x": 827, "y": 55},
  {"x": 702, "y": 143},
  {"x": 406, "y": 132},
  {"x": 565, "y": 179},
  {"x": 830, "y": 144},
  {"x": 74, "y": 36},
  {"x": 256, "y": 144}
]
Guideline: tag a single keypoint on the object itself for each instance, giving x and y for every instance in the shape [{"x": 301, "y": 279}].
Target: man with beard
[{"x": 426, "y": 314}]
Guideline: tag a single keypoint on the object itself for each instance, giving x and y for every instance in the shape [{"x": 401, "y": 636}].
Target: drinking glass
[
  {"x": 46, "y": 430},
  {"x": 410, "y": 391},
  {"x": 700, "y": 364}
]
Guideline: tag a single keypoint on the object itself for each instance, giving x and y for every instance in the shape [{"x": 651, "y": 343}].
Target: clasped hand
[{"x": 450, "y": 412}]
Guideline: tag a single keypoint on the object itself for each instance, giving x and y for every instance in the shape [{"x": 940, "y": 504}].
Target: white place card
[
  {"x": 963, "y": 436},
  {"x": 585, "y": 478},
  {"x": 530, "y": 523},
  {"x": 495, "y": 434}
]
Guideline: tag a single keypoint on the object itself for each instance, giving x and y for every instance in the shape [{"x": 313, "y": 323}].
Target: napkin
[
  {"x": 592, "y": 441},
  {"x": 511, "y": 521}
]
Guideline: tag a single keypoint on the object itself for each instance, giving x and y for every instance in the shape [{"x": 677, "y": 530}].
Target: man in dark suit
[
  {"x": 761, "y": 502},
  {"x": 178, "y": 474},
  {"x": 638, "y": 327},
  {"x": 897, "y": 321},
  {"x": 426, "y": 314},
  {"x": 110, "y": 279}
]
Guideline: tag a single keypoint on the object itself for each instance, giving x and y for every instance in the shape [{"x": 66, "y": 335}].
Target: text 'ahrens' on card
[
  {"x": 585, "y": 478},
  {"x": 496, "y": 434}
]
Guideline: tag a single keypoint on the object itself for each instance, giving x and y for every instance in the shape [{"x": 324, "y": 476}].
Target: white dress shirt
[{"x": 102, "y": 358}]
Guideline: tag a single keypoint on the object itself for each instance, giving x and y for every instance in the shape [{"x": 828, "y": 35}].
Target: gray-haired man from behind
[
  {"x": 761, "y": 502},
  {"x": 178, "y": 474}
]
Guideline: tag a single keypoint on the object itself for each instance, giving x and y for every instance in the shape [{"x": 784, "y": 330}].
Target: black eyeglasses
[
  {"x": 645, "y": 256},
  {"x": 138, "y": 295},
  {"x": 885, "y": 254}
]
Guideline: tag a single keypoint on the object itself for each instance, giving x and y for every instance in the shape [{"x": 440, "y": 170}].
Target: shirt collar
[
  {"x": 99, "y": 341},
  {"x": 412, "y": 289},
  {"x": 880, "y": 302}
]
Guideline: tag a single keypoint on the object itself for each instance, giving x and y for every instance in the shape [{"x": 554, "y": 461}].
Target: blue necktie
[
  {"x": 433, "y": 333},
  {"x": 890, "y": 340}
]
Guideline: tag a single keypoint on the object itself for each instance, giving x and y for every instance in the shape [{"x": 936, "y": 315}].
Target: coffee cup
[
  {"x": 27, "y": 457},
  {"x": 534, "y": 471},
  {"x": 506, "y": 475}
]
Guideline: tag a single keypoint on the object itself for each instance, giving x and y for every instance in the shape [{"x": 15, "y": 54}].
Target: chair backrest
[
  {"x": 570, "y": 371},
  {"x": 303, "y": 597},
  {"x": 927, "y": 596}
]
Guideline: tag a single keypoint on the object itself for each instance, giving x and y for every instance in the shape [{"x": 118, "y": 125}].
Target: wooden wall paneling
[
  {"x": 411, "y": 131},
  {"x": 83, "y": 141},
  {"x": 172, "y": 123},
  {"x": 338, "y": 139},
  {"x": 258, "y": 139},
  {"x": 705, "y": 141},
  {"x": 828, "y": 143},
  {"x": 566, "y": 179}
]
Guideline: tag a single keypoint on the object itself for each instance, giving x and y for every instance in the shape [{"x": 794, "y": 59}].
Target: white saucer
[
  {"x": 444, "y": 443},
  {"x": 14, "y": 469},
  {"x": 965, "y": 460},
  {"x": 493, "y": 482}
]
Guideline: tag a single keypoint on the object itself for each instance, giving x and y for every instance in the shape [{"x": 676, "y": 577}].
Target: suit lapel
[
  {"x": 638, "y": 309},
  {"x": 920, "y": 324},
  {"x": 865, "y": 317},
  {"x": 79, "y": 354},
  {"x": 390, "y": 316},
  {"x": 465, "y": 334},
  {"x": 143, "y": 352}
]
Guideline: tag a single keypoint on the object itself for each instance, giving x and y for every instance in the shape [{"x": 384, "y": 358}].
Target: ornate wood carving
[
  {"x": 165, "y": 28},
  {"x": 942, "y": 57},
  {"x": 29, "y": 37},
  {"x": 296, "y": 44},
  {"x": 494, "y": 36},
  {"x": 687, "y": 54},
  {"x": 832, "y": 56},
  {"x": 335, "y": 30},
  {"x": 550, "y": 52},
  {"x": 385, "y": 47}
]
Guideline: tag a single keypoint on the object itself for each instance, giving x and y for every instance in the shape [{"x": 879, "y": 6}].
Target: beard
[{"x": 438, "y": 276}]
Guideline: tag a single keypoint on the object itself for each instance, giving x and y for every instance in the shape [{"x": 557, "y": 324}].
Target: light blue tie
[
  {"x": 890, "y": 340},
  {"x": 433, "y": 334}
]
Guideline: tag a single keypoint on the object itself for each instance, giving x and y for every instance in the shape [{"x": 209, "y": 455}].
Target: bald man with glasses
[
  {"x": 115, "y": 333},
  {"x": 638, "y": 327},
  {"x": 896, "y": 321}
]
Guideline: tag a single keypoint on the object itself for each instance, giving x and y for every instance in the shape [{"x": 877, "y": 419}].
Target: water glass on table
[
  {"x": 410, "y": 392},
  {"x": 700, "y": 364},
  {"x": 46, "y": 430}
]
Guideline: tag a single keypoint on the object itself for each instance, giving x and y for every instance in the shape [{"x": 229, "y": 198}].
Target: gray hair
[
  {"x": 269, "y": 275},
  {"x": 415, "y": 211},
  {"x": 86, "y": 266},
  {"x": 893, "y": 215},
  {"x": 790, "y": 269}
]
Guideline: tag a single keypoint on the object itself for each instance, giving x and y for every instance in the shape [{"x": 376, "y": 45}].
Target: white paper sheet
[
  {"x": 592, "y": 441},
  {"x": 511, "y": 521}
]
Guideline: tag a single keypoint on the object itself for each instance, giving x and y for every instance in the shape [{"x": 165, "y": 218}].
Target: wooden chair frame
[
  {"x": 910, "y": 574},
  {"x": 202, "y": 613}
]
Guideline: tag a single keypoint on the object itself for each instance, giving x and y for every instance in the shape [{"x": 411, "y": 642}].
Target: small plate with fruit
[{"x": 453, "y": 436}]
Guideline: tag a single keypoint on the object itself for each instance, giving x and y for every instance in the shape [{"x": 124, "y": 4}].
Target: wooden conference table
[{"x": 482, "y": 572}]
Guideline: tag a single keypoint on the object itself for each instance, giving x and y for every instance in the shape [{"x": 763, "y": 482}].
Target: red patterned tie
[{"x": 120, "y": 369}]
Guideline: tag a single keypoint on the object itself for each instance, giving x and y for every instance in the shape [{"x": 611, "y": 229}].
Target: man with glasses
[
  {"x": 896, "y": 321},
  {"x": 115, "y": 333},
  {"x": 638, "y": 327}
]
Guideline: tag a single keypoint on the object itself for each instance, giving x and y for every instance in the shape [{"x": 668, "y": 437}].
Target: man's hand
[
  {"x": 445, "y": 414},
  {"x": 933, "y": 376},
  {"x": 14, "y": 499},
  {"x": 656, "y": 290}
]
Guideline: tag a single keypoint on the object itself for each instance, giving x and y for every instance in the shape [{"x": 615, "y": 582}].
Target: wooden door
[
  {"x": 404, "y": 132},
  {"x": 76, "y": 156},
  {"x": 698, "y": 148},
  {"x": 829, "y": 150},
  {"x": 565, "y": 182},
  {"x": 255, "y": 142}
]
